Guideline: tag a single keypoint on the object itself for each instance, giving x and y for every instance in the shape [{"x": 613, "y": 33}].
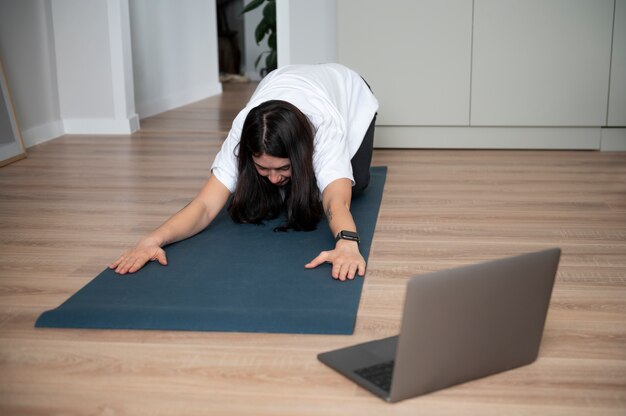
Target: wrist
[
  {"x": 155, "y": 239},
  {"x": 347, "y": 244}
]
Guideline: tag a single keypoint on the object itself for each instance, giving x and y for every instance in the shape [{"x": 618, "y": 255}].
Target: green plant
[{"x": 266, "y": 27}]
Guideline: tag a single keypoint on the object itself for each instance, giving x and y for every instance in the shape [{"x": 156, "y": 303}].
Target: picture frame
[{"x": 11, "y": 143}]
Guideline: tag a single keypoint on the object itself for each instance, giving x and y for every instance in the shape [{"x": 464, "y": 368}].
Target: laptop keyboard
[{"x": 378, "y": 374}]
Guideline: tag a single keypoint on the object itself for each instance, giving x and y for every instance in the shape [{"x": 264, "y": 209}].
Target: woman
[{"x": 306, "y": 133}]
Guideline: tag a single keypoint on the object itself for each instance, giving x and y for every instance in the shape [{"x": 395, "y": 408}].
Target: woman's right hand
[
  {"x": 134, "y": 259},
  {"x": 190, "y": 220}
]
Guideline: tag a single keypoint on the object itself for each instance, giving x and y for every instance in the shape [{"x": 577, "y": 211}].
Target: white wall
[
  {"x": 82, "y": 56},
  {"x": 175, "y": 55},
  {"x": 307, "y": 31},
  {"x": 68, "y": 67},
  {"x": 69, "y": 63},
  {"x": 92, "y": 47},
  {"x": 27, "y": 53}
]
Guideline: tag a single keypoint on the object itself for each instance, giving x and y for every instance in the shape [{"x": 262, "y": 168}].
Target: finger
[
  {"x": 321, "y": 258},
  {"x": 339, "y": 272},
  {"x": 117, "y": 262},
  {"x": 162, "y": 258},
  {"x": 361, "y": 269},
  {"x": 125, "y": 265},
  {"x": 352, "y": 271},
  {"x": 345, "y": 272},
  {"x": 335, "y": 271},
  {"x": 136, "y": 265}
]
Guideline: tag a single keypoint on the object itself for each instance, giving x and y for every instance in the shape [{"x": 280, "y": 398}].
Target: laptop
[{"x": 457, "y": 325}]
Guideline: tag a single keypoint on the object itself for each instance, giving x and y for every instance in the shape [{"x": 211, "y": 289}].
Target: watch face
[{"x": 349, "y": 235}]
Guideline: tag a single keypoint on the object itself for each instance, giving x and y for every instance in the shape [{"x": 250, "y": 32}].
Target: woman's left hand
[{"x": 346, "y": 260}]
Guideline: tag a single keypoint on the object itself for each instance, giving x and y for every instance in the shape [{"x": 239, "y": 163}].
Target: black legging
[{"x": 362, "y": 160}]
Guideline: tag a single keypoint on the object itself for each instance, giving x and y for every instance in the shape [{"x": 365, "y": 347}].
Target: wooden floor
[{"x": 76, "y": 202}]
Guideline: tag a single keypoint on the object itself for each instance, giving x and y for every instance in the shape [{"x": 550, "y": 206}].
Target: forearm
[
  {"x": 195, "y": 217},
  {"x": 187, "y": 222},
  {"x": 336, "y": 200},
  {"x": 339, "y": 217}
]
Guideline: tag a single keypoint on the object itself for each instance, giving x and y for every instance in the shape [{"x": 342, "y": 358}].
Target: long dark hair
[{"x": 277, "y": 128}]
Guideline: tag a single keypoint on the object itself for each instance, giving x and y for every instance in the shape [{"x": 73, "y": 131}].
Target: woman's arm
[
  {"x": 346, "y": 259},
  {"x": 192, "y": 219}
]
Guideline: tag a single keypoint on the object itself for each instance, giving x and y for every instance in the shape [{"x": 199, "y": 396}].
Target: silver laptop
[{"x": 457, "y": 325}]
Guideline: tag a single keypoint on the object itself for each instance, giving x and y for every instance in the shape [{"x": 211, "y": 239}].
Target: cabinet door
[
  {"x": 414, "y": 53},
  {"x": 617, "y": 94},
  {"x": 541, "y": 62}
]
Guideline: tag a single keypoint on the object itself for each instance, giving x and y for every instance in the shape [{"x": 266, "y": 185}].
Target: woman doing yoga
[{"x": 301, "y": 148}]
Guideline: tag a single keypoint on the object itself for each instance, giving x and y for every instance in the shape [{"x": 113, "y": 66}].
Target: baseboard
[
  {"x": 133, "y": 122},
  {"x": 614, "y": 139},
  {"x": 54, "y": 129},
  {"x": 39, "y": 134},
  {"x": 578, "y": 138},
  {"x": 101, "y": 125},
  {"x": 160, "y": 105}
]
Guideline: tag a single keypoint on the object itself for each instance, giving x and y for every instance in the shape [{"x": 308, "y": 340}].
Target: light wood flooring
[{"x": 76, "y": 202}]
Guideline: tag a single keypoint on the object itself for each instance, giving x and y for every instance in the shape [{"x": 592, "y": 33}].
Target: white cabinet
[
  {"x": 416, "y": 54},
  {"x": 541, "y": 62},
  {"x": 617, "y": 93},
  {"x": 491, "y": 73}
]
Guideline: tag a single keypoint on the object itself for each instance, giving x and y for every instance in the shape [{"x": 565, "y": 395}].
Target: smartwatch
[{"x": 348, "y": 235}]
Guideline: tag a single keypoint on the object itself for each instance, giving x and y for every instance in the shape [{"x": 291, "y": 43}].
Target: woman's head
[
  {"x": 277, "y": 129},
  {"x": 276, "y": 151}
]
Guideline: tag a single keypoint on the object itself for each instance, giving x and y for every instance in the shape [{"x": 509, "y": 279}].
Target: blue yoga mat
[{"x": 231, "y": 277}]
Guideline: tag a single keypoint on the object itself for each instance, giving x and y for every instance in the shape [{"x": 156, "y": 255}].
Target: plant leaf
[
  {"x": 269, "y": 14},
  {"x": 271, "y": 61},
  {"x": 252, "y": 5},
  {"x": 260, "y": 31},
  {"x": 271, "y": 41}
]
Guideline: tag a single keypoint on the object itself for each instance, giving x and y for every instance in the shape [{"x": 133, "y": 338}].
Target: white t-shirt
[{"x": 337, "y": 102}]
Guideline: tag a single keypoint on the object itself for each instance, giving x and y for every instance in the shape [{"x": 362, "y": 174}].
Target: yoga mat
[{"x": 231, "y": 277}]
